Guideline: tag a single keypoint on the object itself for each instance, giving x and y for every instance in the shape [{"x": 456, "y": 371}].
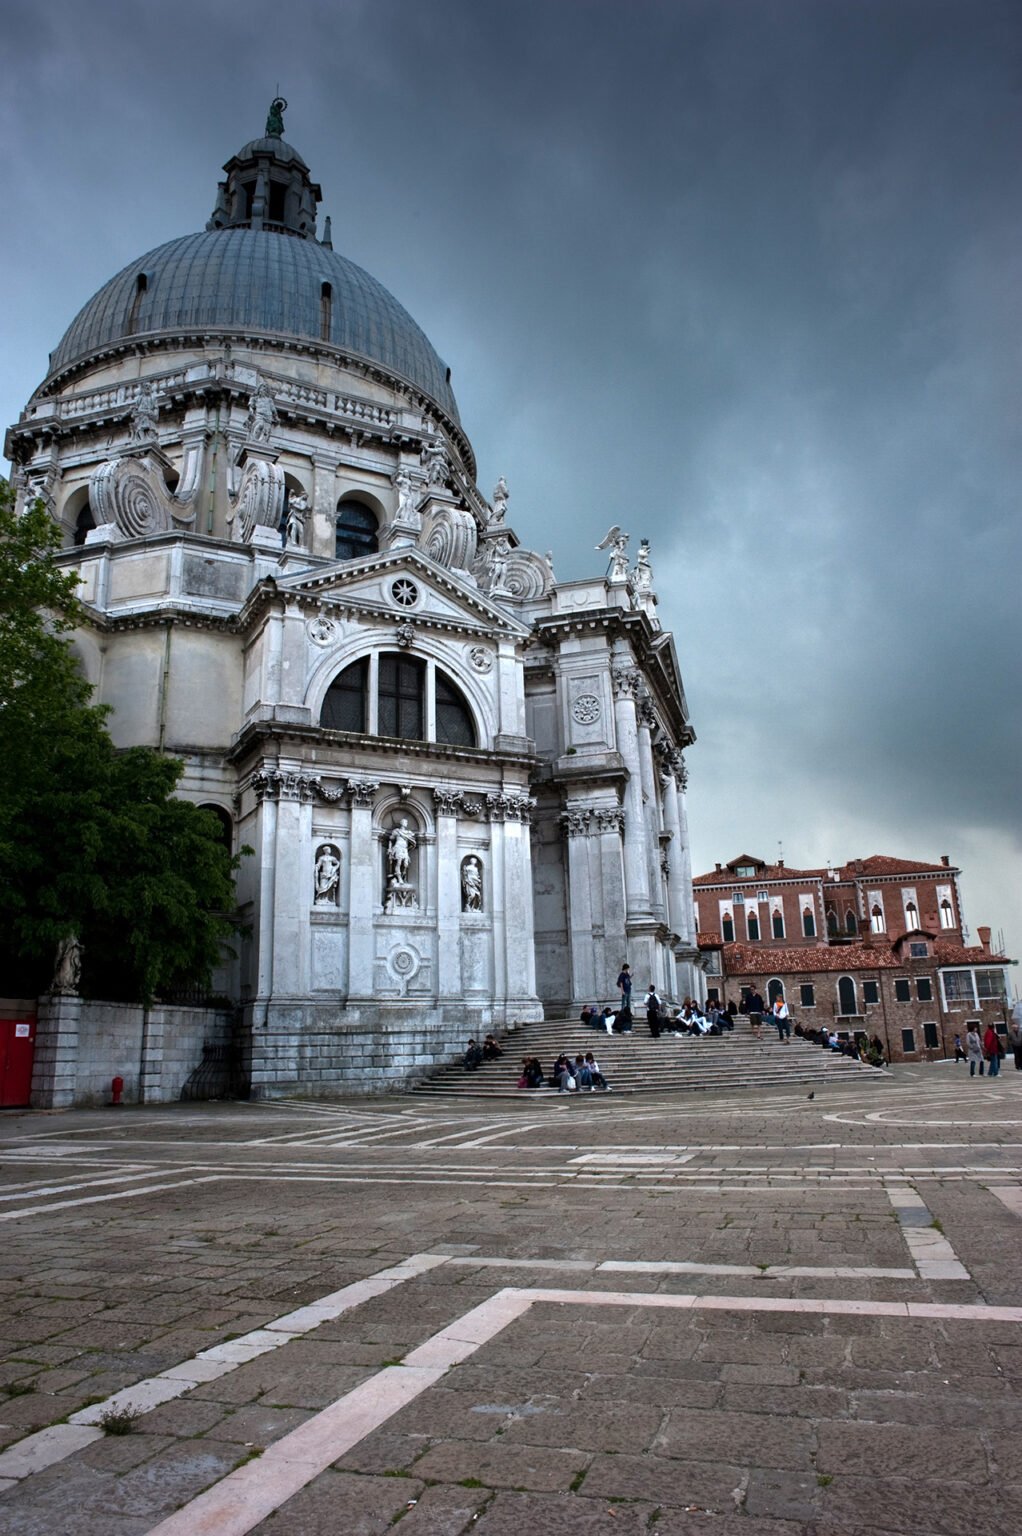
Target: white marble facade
[{"x": 486, "y": 815}]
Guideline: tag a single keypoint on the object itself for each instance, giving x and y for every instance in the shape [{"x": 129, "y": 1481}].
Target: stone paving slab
[{"x": 731, "y": 1329}]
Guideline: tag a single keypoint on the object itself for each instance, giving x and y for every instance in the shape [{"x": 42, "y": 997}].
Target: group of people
[
  {"x": 569, "y": 1074},
  {"x": 986, "y": 1049},
  {"x": 476, "y": 1054},
  {"x": 753, "y": 1006}
]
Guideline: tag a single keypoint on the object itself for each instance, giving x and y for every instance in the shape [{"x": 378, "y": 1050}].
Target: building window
[
  {"x": 278, "y": 196},
  {"x": 807, "y": 995},
  {"x": 924, "y": 989},
  {"x": 871, "y": 993},
  {"x": 777, "y": 923},
  {"x": 401, "y": 702},
  {"x": 911, "y": 916},
  {"x": 908, "y": 1042},
  {"x": 775, "y": 990},
  {"x": 84, "y": 524},
  {"x": 344, "y": 708},
  {"x": 846, "y": 996},
  {"x": 990, "y": 985},
  {"x": 326, "y": 305},
  {"x": 958, "y": 987},
  {"x": 902, "y": 991},
  {"x": 141, "y": 287},
  {"x": 400, "y": 696},
  {"x": 762, "y": 895},
  {"x": 752, "y": 925},
  {"x": 746, "y": 871},
  {"x": 808, "y": 923},
  {"x": 355, "y": 531},
  {"x": 918, "y": 950},
  {"x": 877, "y": 919},
  {"x": 931, "y": 1038},
  {"x": 225, "y": 836},
  {"x": 737, "y": 899},
  {"x": 851, "y": 922},
  {"x": 832, "y": 922},
  {"x": 947, "y": 915},
  {"x": 727, "y": 924}
]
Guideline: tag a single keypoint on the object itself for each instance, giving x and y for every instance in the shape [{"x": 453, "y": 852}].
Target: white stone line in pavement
[
  {"x": 687, "y": 1267},
  {"x": 931, "y": 1252},
  {"x": 85, "y": 1181},
  {"x": 121, "y": 1194},
  {"x": 51, "y": 1445},
  {"x": 246, "y": 1497},
  {"x": 481, "y": 1141},
  {"x": 1009, "y": 1195}
]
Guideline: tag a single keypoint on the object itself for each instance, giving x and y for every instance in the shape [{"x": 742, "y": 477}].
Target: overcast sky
[{"x": 743, "y": 276}]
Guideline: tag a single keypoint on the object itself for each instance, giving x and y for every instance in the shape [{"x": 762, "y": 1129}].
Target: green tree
[{"x": 93, "y": 842}]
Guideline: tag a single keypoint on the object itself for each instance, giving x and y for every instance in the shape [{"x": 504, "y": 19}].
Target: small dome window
[
  {"x": 356, "y": 531},
  {"x": 326, "y": 305},
  {"x": 141, "y": 288}
]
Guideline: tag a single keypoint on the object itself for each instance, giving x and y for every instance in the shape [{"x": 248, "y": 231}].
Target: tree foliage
[{"x": 93, "y": 842}]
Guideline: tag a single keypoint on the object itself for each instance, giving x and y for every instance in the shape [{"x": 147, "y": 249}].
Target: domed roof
[{"x": 257, "y": 280}]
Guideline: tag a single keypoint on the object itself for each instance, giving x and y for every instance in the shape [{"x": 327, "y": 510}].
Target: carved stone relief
[
  {"x": 132, "y": 494},
  {"x": 260, "y": 499}
]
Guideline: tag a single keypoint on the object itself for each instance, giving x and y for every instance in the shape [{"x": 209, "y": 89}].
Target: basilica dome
[{"x": 258, "y": 270}]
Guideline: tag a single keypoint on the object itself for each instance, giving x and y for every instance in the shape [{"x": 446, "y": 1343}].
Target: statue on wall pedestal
[
  {"x": 262, "y": 414},
  {"x": 327, "y": 876},
  {"x": 401, "y": 842},
  {"x": 501, "y": 497},
  {"x": 435, "y": 462},
  {"x": 471, "y": 886},
  {"x": 617, "y": 543},
  {"x": 68, "y": 970},
  {"x": 144, "y": 417}
]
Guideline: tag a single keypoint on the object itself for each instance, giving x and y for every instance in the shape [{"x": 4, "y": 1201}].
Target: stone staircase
[{"x": 637, "y": 1063}]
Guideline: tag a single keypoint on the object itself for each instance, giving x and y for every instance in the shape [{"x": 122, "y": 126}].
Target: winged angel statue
[{"x": 617, "y": 543}]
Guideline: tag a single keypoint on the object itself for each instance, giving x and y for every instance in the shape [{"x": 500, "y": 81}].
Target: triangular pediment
[{"x": 380, "y": 583}]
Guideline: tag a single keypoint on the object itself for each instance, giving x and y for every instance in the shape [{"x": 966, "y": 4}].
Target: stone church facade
[{"x": 461, "y": 780}]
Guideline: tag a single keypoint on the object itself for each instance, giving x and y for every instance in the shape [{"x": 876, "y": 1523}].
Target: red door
[{"x": 17, "y": 1048}]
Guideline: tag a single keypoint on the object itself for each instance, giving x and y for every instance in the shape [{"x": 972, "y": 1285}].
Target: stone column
[
  {"x": 626, "y": 684},
  {"x": 650, "y": 806},
  {"x": 609, "y": 826},
  {"x": 520, "y": 929},
  {"x": 448, "y": 802},
  {"x": 364, "y": 887},
  {"x": 500, "y": 914},
  {"x": 575, "y": 824},
  {"x": 55, "y": 1064},
  {"x": 677, "y": 917}
]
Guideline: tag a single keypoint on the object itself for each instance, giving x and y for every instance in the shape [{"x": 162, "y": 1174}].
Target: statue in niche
[
  {"x": 262, "y": 414},
  {"x": 144, "y": 417},
  {"x": 327, "y": 876},
  {"x": 297, "y": 506},
  {"x": 617, "y": 543},
  {"x": 401, "y": 842},
  {"x": 471, "y": 886},
  {"x": 501, "y": 497}
]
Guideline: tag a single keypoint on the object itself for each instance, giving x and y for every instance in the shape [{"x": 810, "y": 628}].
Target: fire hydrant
[{"x": 116, "y": 1089}]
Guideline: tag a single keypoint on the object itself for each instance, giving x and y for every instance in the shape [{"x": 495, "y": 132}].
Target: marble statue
[
  {"x": 643, "y": 577},
  {"x": 144, "y": 417},
  {"x": 297, "y": 506},
  {"x": 501, "y": 497},
  {"x": 68, "y": 972},
  {"x": 617, "y": 543},
  {"x": 399, "y": 852},
  {"x": 497, "y": 560},
  {"x": 471, "y": 886},
  {"x": 405, "y": 487},
  {"x": 434, "y": 461},
  {"x": 327, "y": 875},
  {"x": 262, "y": 414}
]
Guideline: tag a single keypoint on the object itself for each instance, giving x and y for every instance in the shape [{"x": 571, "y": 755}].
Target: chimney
[
  {"x": 945, "y": 861},
  {"x": 780, "y": 863},
  {"x": 718, "y": 869},
  {"x": 984, "y": 939},
  {"x": 865, "y": 930}
]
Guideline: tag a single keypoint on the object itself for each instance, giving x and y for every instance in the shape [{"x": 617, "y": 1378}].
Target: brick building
[{"x": 876, "y": 945}]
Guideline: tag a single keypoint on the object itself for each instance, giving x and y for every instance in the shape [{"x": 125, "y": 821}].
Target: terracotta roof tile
[{"x": 758, "y": 960}]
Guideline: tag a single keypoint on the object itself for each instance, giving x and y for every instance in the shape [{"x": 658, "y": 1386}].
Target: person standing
[
  {"x": 959, "y": 1052},
  {"x": 653, "y": 1012},
  {"x": 993, "y": 1050},
  {"x": 974, "y": 1050},
  {"x": 754, "y": 1005},
  {"x": 624, "y": 986},
  {"x": 780, "y": 1016}
]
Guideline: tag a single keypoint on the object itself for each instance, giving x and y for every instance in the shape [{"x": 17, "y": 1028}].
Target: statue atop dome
[{"x": 275, "y": 118}]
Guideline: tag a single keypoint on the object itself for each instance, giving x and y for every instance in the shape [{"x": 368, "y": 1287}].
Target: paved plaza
[{"x": 765, "y": 1315}]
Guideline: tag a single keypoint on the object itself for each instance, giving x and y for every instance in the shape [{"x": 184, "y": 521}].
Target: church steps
[{"x": 637, "y": 1063}]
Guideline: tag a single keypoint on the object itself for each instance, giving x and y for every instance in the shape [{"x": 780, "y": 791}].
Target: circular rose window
[
  {"x": 404, "y": 592},
  {"x": 586, "y": 709}
]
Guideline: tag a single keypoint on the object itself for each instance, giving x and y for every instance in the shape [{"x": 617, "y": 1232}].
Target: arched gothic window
[
  {"x": 911, "y": 916},
  {"x": 355, "y": 530},
  {"x": 877, "y": 919},
  {"x": 832, "y": 922},
  {"x": 947, "y": 916},
  {"x": 752, "y": 925},
  {"x": 728, "y": 928},
  {"x": 851, "y": 922},
  {"x": 808, "y": 923}
]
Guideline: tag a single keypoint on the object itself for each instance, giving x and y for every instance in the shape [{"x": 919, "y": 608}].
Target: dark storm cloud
[{"x": 743, "y": 277}]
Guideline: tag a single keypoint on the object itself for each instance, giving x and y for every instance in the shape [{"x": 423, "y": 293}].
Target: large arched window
[
  {"x": 356, "y": 530},
  {"x": 775, "y": 990},
  {"x": 846, "y": 996},
  {"x": 728, "y": 928},
  {"x": 851, "y": 922},
  {"x": 808, "y": 923},
  {"x": 344, "y": 708},
  {"x": 752, "y": 926},
  {"x": 390, "y": 696},
  {"x": 832, "y": 922}
]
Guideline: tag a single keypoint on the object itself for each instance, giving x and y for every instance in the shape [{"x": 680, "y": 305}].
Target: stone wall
[{"x": 81, "y": 1046}]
